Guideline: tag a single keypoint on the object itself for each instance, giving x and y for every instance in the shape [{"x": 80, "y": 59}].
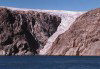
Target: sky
[{"x": 72, "y": 5}]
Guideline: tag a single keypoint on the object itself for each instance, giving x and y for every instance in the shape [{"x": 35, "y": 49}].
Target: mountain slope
[{"x": 81, "y": 39}]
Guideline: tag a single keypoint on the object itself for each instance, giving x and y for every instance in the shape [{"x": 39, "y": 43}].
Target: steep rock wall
[{"x": 25, "y": 32}]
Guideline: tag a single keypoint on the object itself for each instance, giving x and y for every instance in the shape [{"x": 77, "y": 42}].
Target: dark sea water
[{"x": 49, "y": 62}]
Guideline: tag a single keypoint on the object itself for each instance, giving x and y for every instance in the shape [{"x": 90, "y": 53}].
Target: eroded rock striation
[
  {"x": 81, "y": 39},
  {"x": 25, "y": 32}
]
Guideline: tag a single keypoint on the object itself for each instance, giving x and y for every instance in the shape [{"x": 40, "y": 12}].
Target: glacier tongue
[{"x": 68, "y": 17}]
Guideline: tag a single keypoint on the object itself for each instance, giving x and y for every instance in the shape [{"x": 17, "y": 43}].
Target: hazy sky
[{"x": 53, "y": 4}]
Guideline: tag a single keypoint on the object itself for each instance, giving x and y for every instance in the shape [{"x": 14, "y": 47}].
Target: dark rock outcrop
[
  {"x": 25, "y": 32},
  {"x": 81, "y": 39}
]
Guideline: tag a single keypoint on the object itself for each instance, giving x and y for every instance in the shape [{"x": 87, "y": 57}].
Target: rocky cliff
[
  {"x": 81, "y": 39},
  {"x": 25, "y": 32}
]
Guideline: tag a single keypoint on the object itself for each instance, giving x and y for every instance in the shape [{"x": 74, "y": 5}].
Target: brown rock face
[
  {"x": 82, "y": 38},
  {"x": 24, "y": 32}
]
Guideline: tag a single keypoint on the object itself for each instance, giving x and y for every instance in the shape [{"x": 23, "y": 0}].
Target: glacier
[{"x": 68, "y": 17}]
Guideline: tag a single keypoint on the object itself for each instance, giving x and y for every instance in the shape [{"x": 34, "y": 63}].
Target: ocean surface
[{"x": 49, "y": 62}]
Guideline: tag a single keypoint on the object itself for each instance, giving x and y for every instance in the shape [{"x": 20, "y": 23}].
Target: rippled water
[{"x": 49, "y": 62}]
